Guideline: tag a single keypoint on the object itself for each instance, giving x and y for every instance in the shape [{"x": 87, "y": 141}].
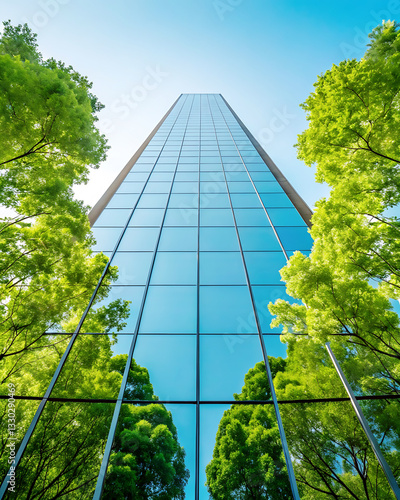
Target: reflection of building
[
  {"x": 199, "y": 223},
  {"x": 207, "y": 220}
]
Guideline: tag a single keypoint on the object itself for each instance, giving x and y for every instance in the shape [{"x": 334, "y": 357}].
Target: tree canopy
[{"x": 350, "y": 281}]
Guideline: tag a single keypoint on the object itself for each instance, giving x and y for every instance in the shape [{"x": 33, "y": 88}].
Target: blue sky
[{"x": 263, "y": 56}]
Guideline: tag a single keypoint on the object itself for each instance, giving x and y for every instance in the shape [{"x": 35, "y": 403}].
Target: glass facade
[{"x": 199, "y": 228}]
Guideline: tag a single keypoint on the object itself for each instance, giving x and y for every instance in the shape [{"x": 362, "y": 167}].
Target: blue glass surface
[
  {"x": 139, "y": 239},
  {"x": 212, "y": 187},
  {"x": 224, "y": 362},
  {"x": 241, "y": 187},
  {"x": 226, "y": 309},
  {"x": 130, "y": 187},
  {"x": 123, "y": 200},
  {"x": 258, "y": 238},
  {"x": 180, "y": 200},
  {"x": 175, "y": 268},
  {"x": 147, "y": 217},
  {"x": 221, "y": 268},
  {"x": 161, "y": 176},
  {"x": 181, "y": 217},
  {"x": 245, "y": 200},
  {"x": 178, "y": 239},
  {"x": 186, "y": 176},
  {"x": 106, "y": 238},
  {"x": 263, "y": 267},
  {"x": 157, "y": 187},
  {"x": 132, "y": 293},
  {"x": 185, "y": 187},
  {"x": 295, "y": 238},
  {"x": 262, "y": 176},
  {"x": 251, "y": 217},
  {"x": 153, "y": 201},
  {"x": 276, "y": 200},
  {"x": 263, "y": 295},
  {"x": 218, "y": 239},
  {"x": 116, "y": 217},
  {"x": 216, "y": 217},
  {"x": 133, "y": 267},
  {"x": 285, "y": 217},
  {"x": 268, "y": 187},
  {"x": 274, "y": 346},
  {"x": 170, "y": 309},
  {"x": 171, "y": 362},
  {"x": 214, "y": 200}
]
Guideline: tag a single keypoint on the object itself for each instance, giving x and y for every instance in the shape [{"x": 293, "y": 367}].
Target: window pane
[
  {"x": 218, "y": 239},
  {"x": 147, "y": 217},
  {"x": 285, "y": 217},
  {"x": 276, "y": 200},
  {"x": 216, "y": 217},
  {"x": 179, "y": 239},
  {"x": 295, "y": 238},
  {"x": 153, "y": 201},
  {"x": 170, "y": 309},
  {"x": 178, "y": 200},
  {"x": 226, "y": 309},
  {"x": 175, "y": 268},
  {"x": 263, "y": 267},
  {"x": 258, "y": 238},
  {"x": 220, "y": 268},
  {"x": 106, "y": 238},
  {"x": 116, "y": 217},
  {"x": 181, "y": 217},
  {"x": 133, "y": 267},
  {"x": 171, "y": 362},
  {"x": 224, "y": 362},
  {"x": 245, "y": 200},
  {"x": 251, "y": 217},
  {"x": 139, "y": 238},
  {"x": 123, "y": 201}
]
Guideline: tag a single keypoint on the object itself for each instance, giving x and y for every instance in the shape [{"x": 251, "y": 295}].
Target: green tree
[
  {"x": 47, "y": 270},
  {"x": 248, "y": 460},
  {"x": 332, "y": 457},
  {"x": 351, "y": 278}
]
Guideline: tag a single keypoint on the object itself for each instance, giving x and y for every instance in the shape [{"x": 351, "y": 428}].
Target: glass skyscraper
[{"x": 199, "y": 223}]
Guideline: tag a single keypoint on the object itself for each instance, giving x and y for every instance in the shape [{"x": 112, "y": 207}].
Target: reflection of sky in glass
[
  {"x": 200, "y": 271},
  {"x": 224, "y": 361}
]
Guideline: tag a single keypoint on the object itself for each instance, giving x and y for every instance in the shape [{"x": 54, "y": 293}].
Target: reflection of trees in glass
[
  {"x": 330, "y": 452},
  {"x": 248, "y": 461},
  {"x": 64, "y": 454},
  {"x": 331, "y": 455}
]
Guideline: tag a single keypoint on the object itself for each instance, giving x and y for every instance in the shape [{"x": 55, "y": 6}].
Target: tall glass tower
[{"x": 199, "y": 223}]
